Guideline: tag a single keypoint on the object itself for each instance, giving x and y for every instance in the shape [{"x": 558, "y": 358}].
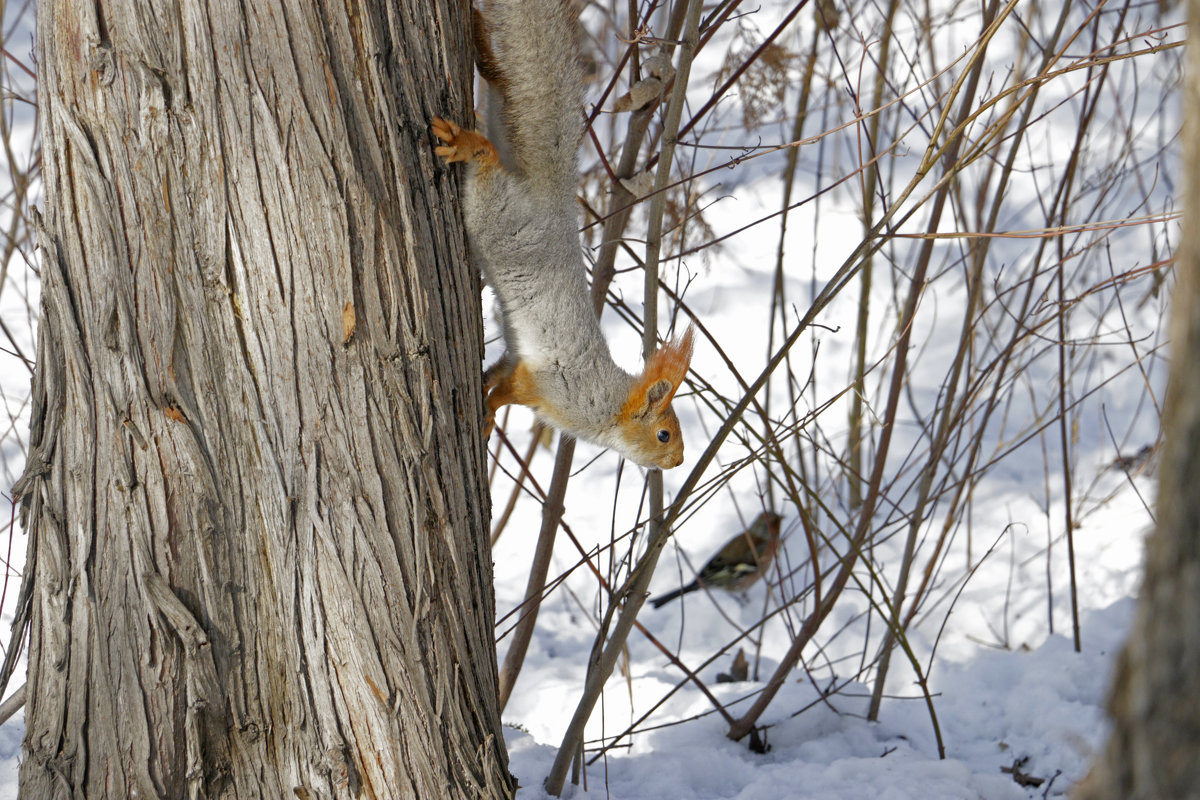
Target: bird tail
[{"x": 663, "y": 599}]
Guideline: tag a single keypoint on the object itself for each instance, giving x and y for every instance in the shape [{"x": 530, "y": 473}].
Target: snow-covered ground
[{"x": 1038, "y": 707}]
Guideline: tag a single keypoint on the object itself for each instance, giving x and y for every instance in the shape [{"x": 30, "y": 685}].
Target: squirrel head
[{"x": 649, "y": 429}]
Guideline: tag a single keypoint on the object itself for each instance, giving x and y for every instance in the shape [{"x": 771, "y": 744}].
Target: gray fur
[
  {"x": 528, "y": 246},
  {"x": 524, "y": 225}
]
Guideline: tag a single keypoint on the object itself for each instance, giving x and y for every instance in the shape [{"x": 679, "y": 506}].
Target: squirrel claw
[
  {"x": 494, "y": 378},
  {"x": 462, "y": 145},
  {"x": 444, "y": 129}
]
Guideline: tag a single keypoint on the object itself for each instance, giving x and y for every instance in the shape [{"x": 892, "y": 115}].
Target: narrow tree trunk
[
  {"x": 256, "y": 494},
  {"x": 1154, "y": 750}
]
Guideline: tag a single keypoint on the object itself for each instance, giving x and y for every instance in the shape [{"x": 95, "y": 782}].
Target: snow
[
  {"x": 1005, "y": 690},
  {"x": 1041, "y": 706}
]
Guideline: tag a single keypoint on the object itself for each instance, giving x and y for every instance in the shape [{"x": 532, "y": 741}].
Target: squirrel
[{"x": 522, "y": 230}]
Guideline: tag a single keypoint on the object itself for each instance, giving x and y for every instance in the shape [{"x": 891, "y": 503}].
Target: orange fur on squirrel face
[{"x": 648, "y": 424}]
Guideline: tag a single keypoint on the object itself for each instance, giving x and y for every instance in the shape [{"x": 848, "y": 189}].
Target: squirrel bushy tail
[{"x": 528, "y": 52}]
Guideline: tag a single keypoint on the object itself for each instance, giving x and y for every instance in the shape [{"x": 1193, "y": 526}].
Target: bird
[{"x": 737, "y": 565}]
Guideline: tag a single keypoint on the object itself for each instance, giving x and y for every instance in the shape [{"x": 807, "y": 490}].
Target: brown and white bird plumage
[{"x": 739, "y": 563}]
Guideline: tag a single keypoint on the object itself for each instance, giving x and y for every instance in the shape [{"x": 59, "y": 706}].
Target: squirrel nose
[{"x": 669, "y": 461}]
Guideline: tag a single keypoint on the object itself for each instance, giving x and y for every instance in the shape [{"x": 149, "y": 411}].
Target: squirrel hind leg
[
  {"x": 507, "y": 383},
  {"x": 462, "y": 145},
  {"x": 496, "y": 379},
  {"x": 499, "y": 390}
]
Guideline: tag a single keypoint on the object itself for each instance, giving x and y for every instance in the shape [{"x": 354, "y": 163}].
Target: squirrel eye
[{"x": 664, "y": 435}]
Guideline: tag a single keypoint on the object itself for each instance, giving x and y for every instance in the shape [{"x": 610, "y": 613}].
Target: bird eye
[{"x": 664, "y": 435}]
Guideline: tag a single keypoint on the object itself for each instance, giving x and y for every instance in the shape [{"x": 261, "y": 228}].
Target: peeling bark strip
[{"x": 256, "y": 494}]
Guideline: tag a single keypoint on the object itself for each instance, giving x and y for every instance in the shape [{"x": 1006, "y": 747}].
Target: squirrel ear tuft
[
  {"x": 658, "y": 392},
  {"x": 671, "y": 361},
  {"x": 659, "y": 381}
]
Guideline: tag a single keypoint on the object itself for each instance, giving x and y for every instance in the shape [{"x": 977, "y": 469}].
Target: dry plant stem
[
  {"x": 979, "y": 256},
  {"x": 855, "y": 467},
  {"x": 779, "y": 301},
  {"x": 12, "y": 705},
  {"x": 622, "y": 201},
  {"x": 710, "y": 25},
  {"x": 840, "y": 279},
  {"x": 870, "y": 178},
  {"x": 708, "y": 662},
  {"x": 1063, "y": 421},
  {"x": 746, "y": 724},
  {"x": 690, "y": 674},
  {"x": 733, "y": 78},
  {"x": 962, "y": 489},
  {"x": 634, "y": 592},
  {"x": 1056, "y": 210},
  {"x": 902, "y": 639},
  {"x": 1000, "y": 364},
  {"x": 849, "y": 272},
  {"x": 641, "y": 574},
  {"x": 631, "y": 53},
  {"x": 552, "y": 511},
  {"x": 515, "y": 495},
  {"x": 1064, "y": 424},
  {"x": 938, "y": 445},
  {"x": 977, "y": 150}
]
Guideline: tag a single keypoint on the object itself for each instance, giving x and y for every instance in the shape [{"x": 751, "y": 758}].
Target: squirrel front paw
[{"x": 463, "y": 145}]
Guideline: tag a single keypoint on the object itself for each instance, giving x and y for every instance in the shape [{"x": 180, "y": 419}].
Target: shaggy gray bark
[
  {"x": 1154, "y": 750},
  {"x": 256, "y": 496}
]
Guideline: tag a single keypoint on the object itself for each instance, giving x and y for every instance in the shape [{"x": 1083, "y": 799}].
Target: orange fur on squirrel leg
[
  {"x": 461, "y": 145},
  {"x": 493, "y": 377},
  {"x": 508, "y": 385}
]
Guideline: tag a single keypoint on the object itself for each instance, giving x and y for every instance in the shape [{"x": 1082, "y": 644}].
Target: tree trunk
[
  {"x": 1155, "y": 701},
  {"x": 256, "y": 494}
]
